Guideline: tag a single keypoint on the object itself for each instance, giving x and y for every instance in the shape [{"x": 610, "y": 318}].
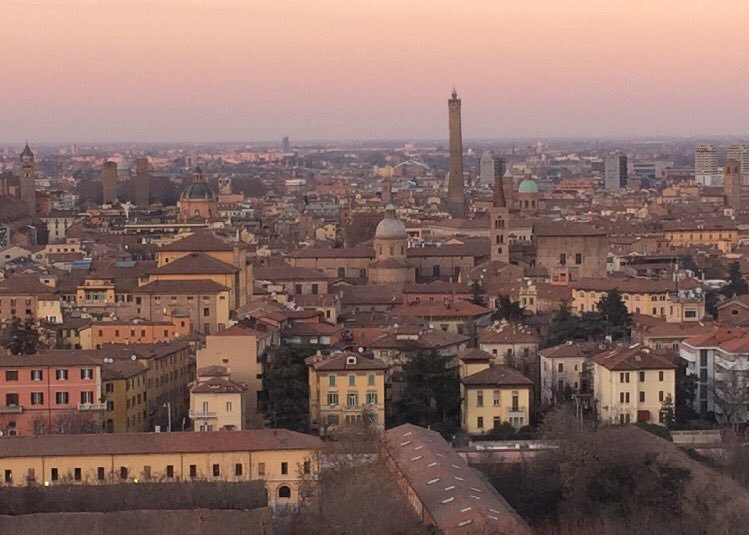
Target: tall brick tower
[
  {"x": 499, "y": 217},
  {"x": 28, "y": 176},
  {"x": 456, "y": 202},
  {"x": 732, "y": 184},
  {"x": 142, "y": 183},
  {"x": 109, "y": 182}
]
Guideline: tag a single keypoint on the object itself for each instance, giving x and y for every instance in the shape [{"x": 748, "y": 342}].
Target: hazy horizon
[{"x": 191, "y": 71}]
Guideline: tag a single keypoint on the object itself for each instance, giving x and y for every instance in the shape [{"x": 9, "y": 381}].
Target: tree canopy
[{"x": 286, "y": 386}]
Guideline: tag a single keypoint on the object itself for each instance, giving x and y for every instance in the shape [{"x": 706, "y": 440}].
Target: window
[
  {"x": 238, "y": 469},
  {"x": 578, "y": 258},
  {"x": 37, "y": 375},
  {"x": 642, "y": 377},
  {"x": 193, "y": 471},
  {"x": 100, "y": 473},
  {"x": 8, "y": 476},
  {"x": 660, "y": 375},
  {"x": 623, "y": 397},
  {"x": 479, "y": 398},
  {"x": 11, "y": 375},
  {"x": 371, "y": 379},
  {"x": 351, "y": 379},
  {"x": 54, "y": 475},
  {"x": 560, "y": 367},
  {"x": 87, "y": 373},
  {"x": 332, "y": 398},
  {"x": 642, "y": 396},
  {"x": 562, "y": 259},
  {"x": 660, "y": 395},
  {"x": 703, "y": 357},
  {"x": 495, "y": 398},
  {"x": 228, "y": 406},
  {"x": 123, "y": 472},
  {"x": 37, "y": 398},
  {"x": 216, "y": 470},
  {"x": 87, "y": 396},
  {"x": 146, "y": 472},
  {"x": 61, "y": 374},
  {"x": 206, "y": 312},
  {"x": 307, "y": 467},
  {"x": 284, "y": 492},
  {"x": 352, "y": 400},
  {"x": 77, "y": 474},
  {"x": 261, "y": 469},
  {"x": 436, "y": 271},
  {"x": 284, "y": 468},
  {"x": 205, "y": 406},
  {"x": 11, "y": 400},
  {"x": 331, "y": 379},
  {"x": 61, "y": 398},
  {"x": 480, "y": 422},
  {"x": 315, "y": 289},
  {"x": 371, "y": 398}
]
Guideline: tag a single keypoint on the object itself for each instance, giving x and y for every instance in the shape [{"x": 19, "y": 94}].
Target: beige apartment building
[
  {"x": 631, "y": 383},
  {"x": 346, "y": 388},
  {"x": 217, "y": 402}
]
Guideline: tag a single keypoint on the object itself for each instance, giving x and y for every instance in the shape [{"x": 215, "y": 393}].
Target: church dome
[
  {"x": 528, "y": 186},
  {"x": 391, "y": 227},
  {"x": 198, "y": 190}
]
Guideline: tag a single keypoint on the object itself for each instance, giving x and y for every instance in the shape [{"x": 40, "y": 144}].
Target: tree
[
  {"x": 477, "y": 294},
  {"x": 615, "y": 318},
  {"x": 686, "y": 388},
  {"x": 564, "y": 325},
  {"x": 507, "y": 309},
  {"x": 737, "y": 285},
  {"x": 667, "y": 412},
  {"x": 21, "y": 338},
  {"x": 731, "y": 394},
  {"x": 432, "y": 391},
  {"x": 286, "y": 386}
]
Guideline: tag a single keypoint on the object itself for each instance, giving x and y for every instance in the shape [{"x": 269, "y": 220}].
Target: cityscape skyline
[{"x": 332, "y": 71}]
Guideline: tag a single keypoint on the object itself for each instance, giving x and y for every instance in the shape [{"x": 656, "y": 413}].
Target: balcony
[
  {"x": 92, "y": 406},
  {"x": 201, "y": 414},
  {"x": 11, "y": 409},
  {"x": 516, "y": 411}
]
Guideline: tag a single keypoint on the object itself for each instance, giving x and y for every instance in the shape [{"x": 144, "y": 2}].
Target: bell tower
[
  {"x": 499, "y": 218},
  {"x": 28, "y": 177}
]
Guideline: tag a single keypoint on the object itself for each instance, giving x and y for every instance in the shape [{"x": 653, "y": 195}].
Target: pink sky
[{"x": 213, "y": 70}]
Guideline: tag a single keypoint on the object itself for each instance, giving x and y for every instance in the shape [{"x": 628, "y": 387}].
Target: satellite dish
[{"x": 133, "y": 357}]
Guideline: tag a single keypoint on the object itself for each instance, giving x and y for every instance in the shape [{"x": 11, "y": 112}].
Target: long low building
[
  {"x": 283, "y": 459},
  {"x": 441, "y": 487}
]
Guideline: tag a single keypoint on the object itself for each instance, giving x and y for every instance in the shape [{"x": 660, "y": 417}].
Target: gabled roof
[
  {"x": 200, "y": 241},
  {"x": 634, "y": 357},
  {"x": 344, "y": 361},
  {"x": 196, "y": 262},
  {"x": 497, "y": 376}
]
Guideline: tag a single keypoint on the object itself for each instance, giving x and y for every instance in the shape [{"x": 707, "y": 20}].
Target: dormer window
[{"x": 351, "y": 360}]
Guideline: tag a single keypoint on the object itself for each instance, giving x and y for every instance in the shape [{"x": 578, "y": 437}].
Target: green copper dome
[
  {"x": 198, "y": 190},
  {"x": 528, "y": 186}
]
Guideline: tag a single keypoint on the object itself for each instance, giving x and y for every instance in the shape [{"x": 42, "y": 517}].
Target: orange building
[{"x": 133, "y": 331}]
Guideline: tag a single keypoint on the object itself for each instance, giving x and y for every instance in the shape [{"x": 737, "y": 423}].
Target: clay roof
[
  {"x": 504, "y": 332},
  {"x": 24, "y": 285},
  {"x": 181, "y": 287},
  {"x": 565, "y": 228},
  {"x": 462, "y": 309},
  {"x": 285, "y": 272},
  {"x": 474, "y": 354},
  {"x": 573, "y": 349},
  {"x": 218, "y": 385},
  {"x": 634, "y": 357},
  {"x": 344, "y": 361},
  {"x": 497, "y": 376},
  {"x": 202, "y": 240},
  {"x": 195, "y": 262},
  {"x": 121, "y": 369},
  {"x": 141, "y": 443},
  {"x": 456, "y": 497}
]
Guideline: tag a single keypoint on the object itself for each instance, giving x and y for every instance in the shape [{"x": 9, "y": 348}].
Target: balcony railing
[
  {"x": 201, "y": 414},
  {"x": 11, "y": 409},
  {"x": 92, "y": 406},
  {"x": 512, "y": 411}
]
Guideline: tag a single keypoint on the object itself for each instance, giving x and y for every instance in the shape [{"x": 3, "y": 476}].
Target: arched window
[
  {"x": 284, "y": 492},
  {"x": 392, "y": 250}
]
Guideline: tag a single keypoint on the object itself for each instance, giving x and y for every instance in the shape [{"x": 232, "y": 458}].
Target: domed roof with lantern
[
  {"x": 391, "y": 228},
  {"x": 198, "y": 189}
]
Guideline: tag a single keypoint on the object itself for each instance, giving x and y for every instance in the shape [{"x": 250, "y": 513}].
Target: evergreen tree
[
  {"x": 477, "y": 294},
  {"x": 21, "y": 337},
  {"x": 736, "y": 283},
  {"x": 432, "y": 391},
  {"x": 667, "y": 412},
  {"x": 507, "y": 309},
  {"x": 287, "y": 388},
  {"x": 614, "y": 316}
]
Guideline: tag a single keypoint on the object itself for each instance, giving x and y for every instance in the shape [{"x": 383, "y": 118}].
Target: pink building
[{"x": 50, "y": 394}]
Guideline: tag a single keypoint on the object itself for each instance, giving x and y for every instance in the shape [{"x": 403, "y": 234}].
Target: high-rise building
[
  {"x": 732, "y": 184},
  {"x": 109, "y": 182},
  {"x": 615, "y": 171},
  {"x": 285, "y": 144},
  {"x": 142, "y": 183},
  {"x": 456, "y": 202},
  {"x": 486, "y": 168},
  {"x": 27, "y": 188},
  {"x": 499, "y": 217},
  {"x": 740, "y": 152},
  {"x": 705, "y": 160}
]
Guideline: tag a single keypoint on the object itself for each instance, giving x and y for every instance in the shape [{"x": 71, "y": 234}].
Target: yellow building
[
  {"x": 565, "y": 369},
  {"x": 721, "y": 234},
  {"x": 283, "y": 459},
  {"x": 659, "y": 298},
  {"x": 240, "y": 350},
  {"x": 631, "y": 383},
  {"x": 217, "y": 402},
  {"x": 124, "y": 386},
  {"x": 494, "y": 395},
  {"x": 346, "y": 388}
]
